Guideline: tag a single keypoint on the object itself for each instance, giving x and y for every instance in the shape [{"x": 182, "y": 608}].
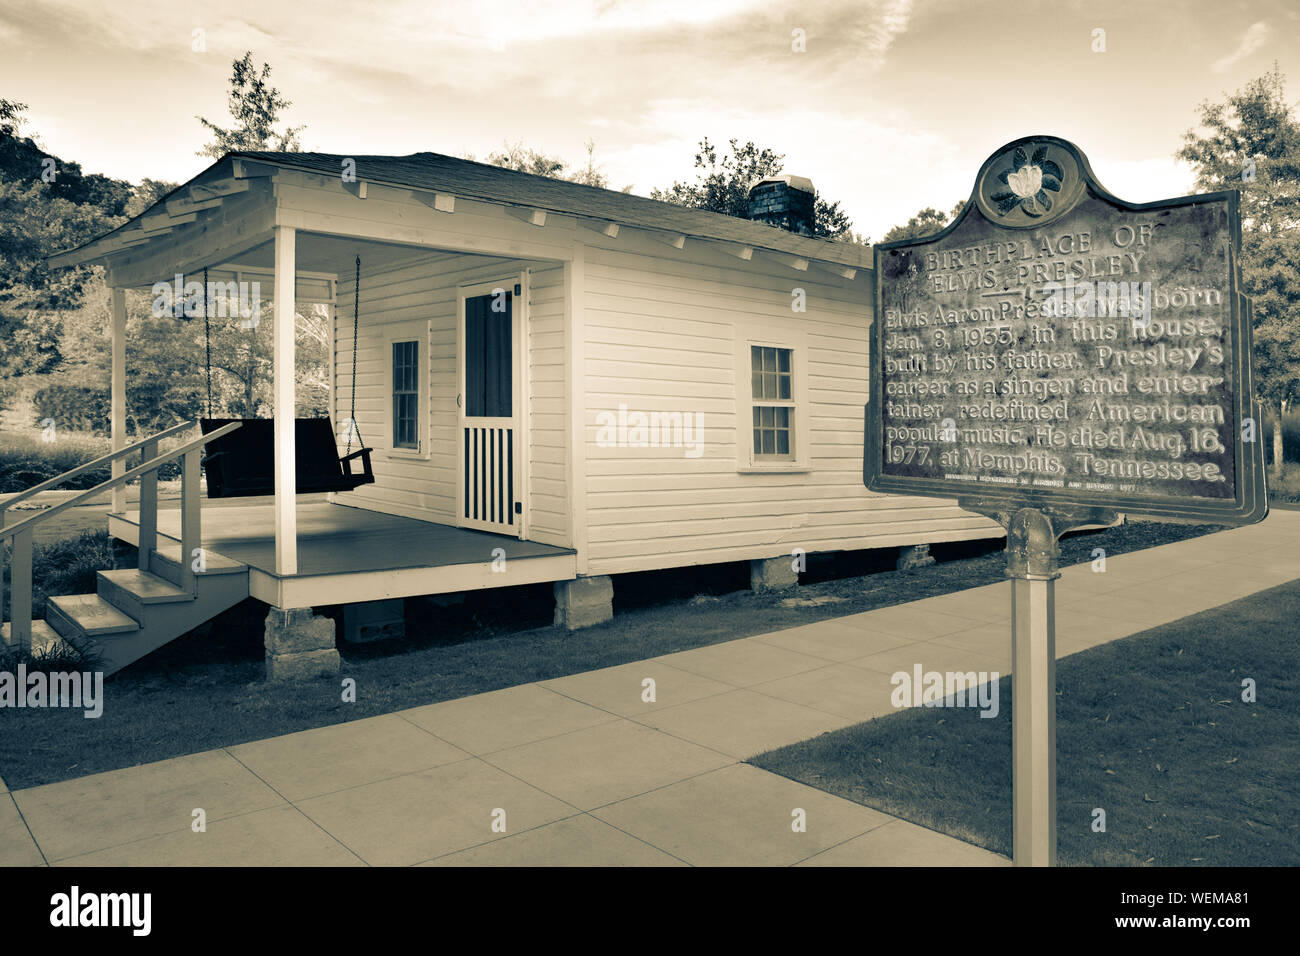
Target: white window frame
[
  {"x": 414, "y": 331},
  {"x": 796, "y": 340}
]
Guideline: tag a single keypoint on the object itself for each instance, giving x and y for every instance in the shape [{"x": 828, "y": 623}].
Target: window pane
[
  {"x": 406, "y": 391},
  {"x": 772, "y": 380}
]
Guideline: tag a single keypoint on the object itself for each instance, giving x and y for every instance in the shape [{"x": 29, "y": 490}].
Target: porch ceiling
[{"x": 316, "y": 253}]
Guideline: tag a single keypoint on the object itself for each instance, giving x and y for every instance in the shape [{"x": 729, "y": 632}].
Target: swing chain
[
  {"x": 207, "y": 338},
  {"x": 356, "y": 321}
]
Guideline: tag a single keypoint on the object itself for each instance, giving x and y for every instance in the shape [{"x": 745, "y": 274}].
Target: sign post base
[{"x": 1032, "y": 565}]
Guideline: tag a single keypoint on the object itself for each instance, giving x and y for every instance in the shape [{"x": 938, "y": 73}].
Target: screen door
[{"x": 489, "y": 434}]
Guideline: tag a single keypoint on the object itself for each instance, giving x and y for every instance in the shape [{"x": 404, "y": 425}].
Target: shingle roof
[{"x": 463, "y": 177}]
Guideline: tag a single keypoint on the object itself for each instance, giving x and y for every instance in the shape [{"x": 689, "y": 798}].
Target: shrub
[
  {"x": 26, "y": 459},
  {"x": 61, "y": 656},
  {"x": 73, "y": 407}
]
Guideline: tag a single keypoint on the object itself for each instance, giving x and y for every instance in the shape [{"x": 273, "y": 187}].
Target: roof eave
[{"x": 808, "y": 247}]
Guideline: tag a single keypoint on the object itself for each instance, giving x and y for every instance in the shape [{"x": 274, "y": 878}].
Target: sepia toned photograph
[{"x": 629, "y": 434}]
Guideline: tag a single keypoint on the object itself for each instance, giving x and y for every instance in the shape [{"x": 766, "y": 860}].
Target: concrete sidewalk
[{"x": 583, "y": 770}]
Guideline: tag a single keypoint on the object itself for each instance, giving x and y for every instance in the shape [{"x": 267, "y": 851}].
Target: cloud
[
  {"x": 1254, "y": 38},
  {"x": 1146, "y": 180},
  {"x": 894, "y": 17},
  {"x": 868, "y": 163}
]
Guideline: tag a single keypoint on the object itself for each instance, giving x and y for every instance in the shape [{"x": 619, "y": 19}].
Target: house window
[
  {"x": 772, "y": 391},
  {"x": 406, "y": 394}
]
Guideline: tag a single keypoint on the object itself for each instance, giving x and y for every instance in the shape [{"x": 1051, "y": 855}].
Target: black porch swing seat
[{"x": 241, "y": 464}]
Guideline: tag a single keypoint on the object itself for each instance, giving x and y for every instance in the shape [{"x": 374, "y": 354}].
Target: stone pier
[
  {"x": 584, "y": 602},
  {"x": 772, "y": 574},
  {"x": 916, "y": 556},
  {"x": 299, "y": 645}
]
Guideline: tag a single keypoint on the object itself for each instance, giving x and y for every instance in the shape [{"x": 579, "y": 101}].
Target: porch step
[
  {"x": 132, "y": 591},
  {"x": 42, "y": 635},
  {"x": 165, "y": 562},
  {"x": 77, "y": 615}
]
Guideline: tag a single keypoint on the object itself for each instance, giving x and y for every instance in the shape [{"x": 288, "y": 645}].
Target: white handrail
[
  {"x": 90, "y": 466},
  {"x": 20, "y": 616}
]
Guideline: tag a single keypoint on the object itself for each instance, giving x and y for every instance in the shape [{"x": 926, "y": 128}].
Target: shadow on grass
[{"x": 1152, "y": 729}]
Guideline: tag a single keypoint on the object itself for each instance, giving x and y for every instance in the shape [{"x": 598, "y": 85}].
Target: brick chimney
[{"x": 784, "y": 201}]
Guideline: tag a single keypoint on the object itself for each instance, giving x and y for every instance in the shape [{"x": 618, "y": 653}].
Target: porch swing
[{"x": 241, "y": 464}]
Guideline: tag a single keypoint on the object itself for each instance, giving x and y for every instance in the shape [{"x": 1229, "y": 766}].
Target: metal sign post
[{"x": 1032, "y": 566}]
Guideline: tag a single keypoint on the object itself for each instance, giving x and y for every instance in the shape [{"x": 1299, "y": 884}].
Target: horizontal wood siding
[
  {"x": 548, "y": 499},
  {"x": 661, "y": 334},
  {"x": 426, "y": 291}
]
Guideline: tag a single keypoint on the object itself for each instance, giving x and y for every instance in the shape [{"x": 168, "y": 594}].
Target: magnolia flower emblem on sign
[{"x": 1029, "y": 179}]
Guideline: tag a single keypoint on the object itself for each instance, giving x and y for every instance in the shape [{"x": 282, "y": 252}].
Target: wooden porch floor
[
  {"x": 337, "y": 539},
  {"x": 348, "y": 555}
]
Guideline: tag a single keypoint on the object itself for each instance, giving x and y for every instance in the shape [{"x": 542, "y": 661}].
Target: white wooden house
[{"x": 559, "y": 383}]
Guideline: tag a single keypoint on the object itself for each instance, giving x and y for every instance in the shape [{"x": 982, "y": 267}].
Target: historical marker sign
[{"x": 1057, "y": 346}]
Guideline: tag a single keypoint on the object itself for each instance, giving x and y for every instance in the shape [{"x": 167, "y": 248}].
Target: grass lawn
[
  {"x": 1151, "y": 728},
  {"x": 205, "y": 690}
]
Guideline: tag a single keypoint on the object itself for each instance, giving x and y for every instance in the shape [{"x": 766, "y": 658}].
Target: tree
[
  {"x": 525, "y": 159},
  {"x": 590, "y": 175},
  {"x": 23, "y": 160},
  {"x": 255, "y": 106},
  {"x": 1251, "y": 142},
  {"x": 46, "y": 205},
  {"x": 11, "y": 117},
  {"x": 166, "y": 360},
  {"x": 722, "y": 185},
  {"x": 929, "y": 220},
  {"x": 148, "y": 192}
]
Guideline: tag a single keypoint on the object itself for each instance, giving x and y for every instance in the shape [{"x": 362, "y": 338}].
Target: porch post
[
  {"x": 286, "y": 483},
  {"x": 117, "y": 402}
]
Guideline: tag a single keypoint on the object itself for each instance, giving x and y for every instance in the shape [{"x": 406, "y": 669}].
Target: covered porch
[
  {"x": 348, "y": 554},
  {"x": 397, "y": 269}
]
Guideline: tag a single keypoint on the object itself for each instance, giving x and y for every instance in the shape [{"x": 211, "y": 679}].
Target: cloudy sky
[{"x": 892, "y": 104}]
